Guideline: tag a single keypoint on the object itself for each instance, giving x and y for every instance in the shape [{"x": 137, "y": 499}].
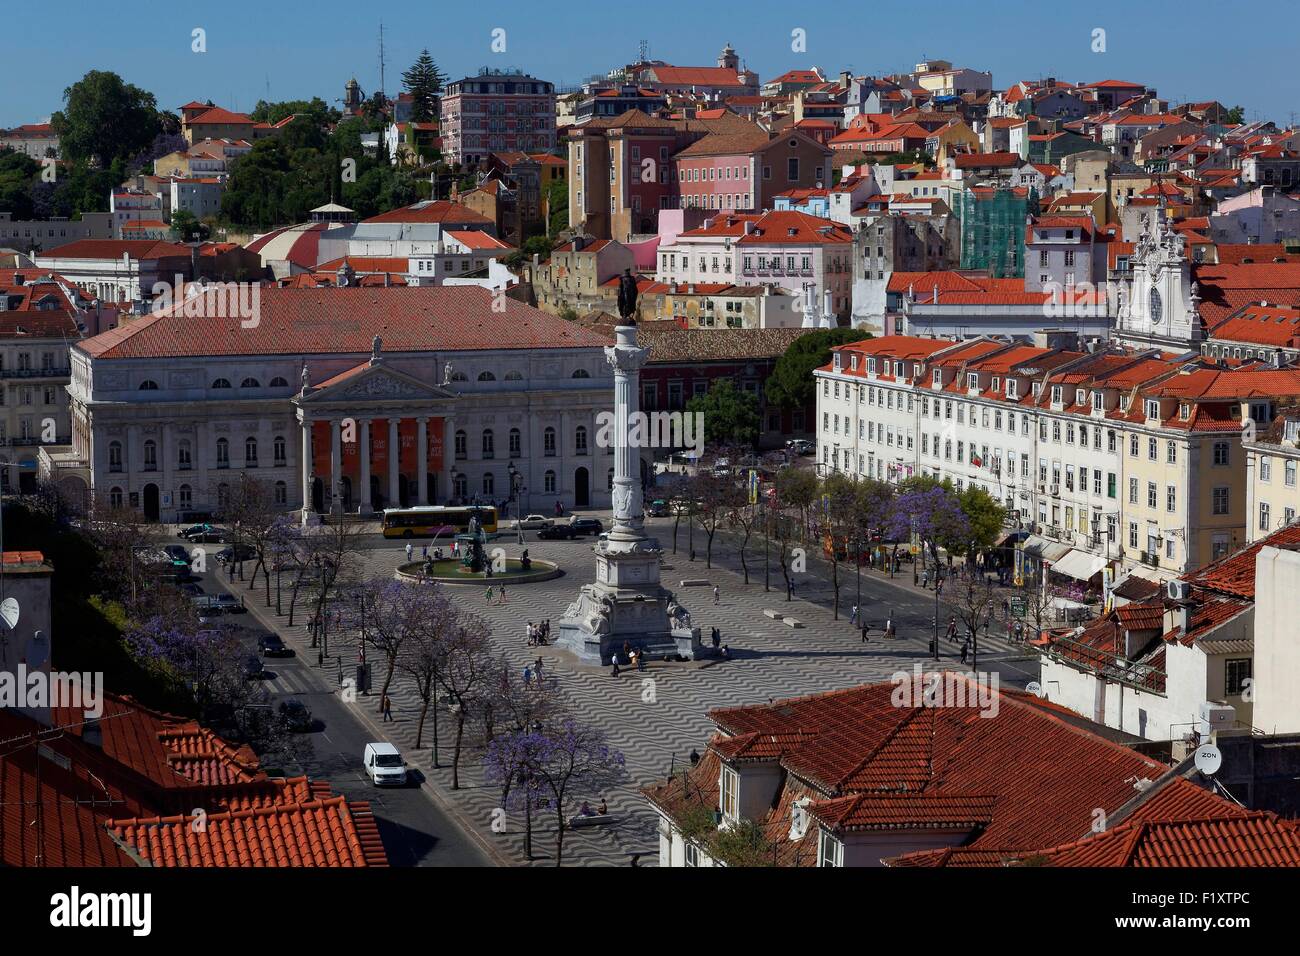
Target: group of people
[
  {"x": 539, "y": 634},
  {"x": 586, "y": 811},
  {"x": 634, "y": 656},
  {"x": 499, "y": 592},
  {"x": 533, "y": 672}
]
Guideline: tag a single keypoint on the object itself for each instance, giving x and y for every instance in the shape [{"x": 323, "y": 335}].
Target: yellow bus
[{"x": 436, "y": 521}]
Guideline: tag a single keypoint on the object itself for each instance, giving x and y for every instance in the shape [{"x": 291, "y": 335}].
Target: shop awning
[
  {"x": 1145, "y": 571},
  {"x": 1034, "y": 546},
  {"x": 1079, "y": 565}
]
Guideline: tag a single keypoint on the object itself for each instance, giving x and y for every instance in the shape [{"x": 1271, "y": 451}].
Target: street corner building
[{"x": 344, "y": 400}]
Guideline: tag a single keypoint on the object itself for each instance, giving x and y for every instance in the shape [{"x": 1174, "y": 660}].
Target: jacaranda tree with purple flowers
[{"x": 932, "y": 511}]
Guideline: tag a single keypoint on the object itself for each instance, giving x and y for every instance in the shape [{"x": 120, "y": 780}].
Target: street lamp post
[{"x": 767, "y": 549}]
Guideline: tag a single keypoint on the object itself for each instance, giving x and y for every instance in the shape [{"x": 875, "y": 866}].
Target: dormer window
[
  {"x": 937, "y": 378},
  {"x": 853, "y": 363},
  {"x": 1057, "y": 394},
  {"x": 1011, "y": 388},
  {"x": 871, "y": 366},
  {"x": 836, "y": 364},
  {"x": 997, "y": 383},
  {"x": 916, "y": 370},
  {"x": 1097, "y": 402},
  {"x": 1292, "y": 433},
  {"x": 830, "y": 851},
  {"x": 1036, "y": 389},
  {"x": 1079, "y": 396},
  {"x": 972, "y": 380},
  {"x": 1185, "y": 411},
  {"x": 729, "y": 794},
  {"x": 898, "y": 369},
  {"x": 1153, "y": 408}
]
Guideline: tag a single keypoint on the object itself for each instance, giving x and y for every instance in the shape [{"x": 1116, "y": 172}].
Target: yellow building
[{"x": 1272, "y": 461}]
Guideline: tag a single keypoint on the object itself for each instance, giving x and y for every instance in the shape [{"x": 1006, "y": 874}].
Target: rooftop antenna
[
  {"x": 381, "y": 56},
  {"x": 643, "y": 51}
]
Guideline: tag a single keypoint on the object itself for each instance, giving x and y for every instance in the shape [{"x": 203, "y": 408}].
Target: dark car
[
  {"x": 192, "y": 529},
  {"x": 208, "y": 535},
  {"x": 253, "y": 667},
  {"x": 556, "y": 532},
  {"x": 229, "y": 603},
  {"x": 586, "y": 526},
  {"x": 192, "y": 588},
  {"x": 179, "y": 555},
  {"x": 296, "y": 716},
  {"x": 236, "y": 552},
  {"x": 271, "y": 646}
]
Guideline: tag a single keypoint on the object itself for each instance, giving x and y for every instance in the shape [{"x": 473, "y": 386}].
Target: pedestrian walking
[
  {"x": 409, "y": 549},
  {"x": 614, "y": 658},
  {"x": 864, "y": 630},
  {"x": 925, "y": 579},
  {"x": 537, "y": 669},
  {"x": 853, "y": 615},
  {"x": 528, "y": 675},
  {"x": 889, "y": 628},
  {"x": 489, "y": 594},
  {"x": 965, "y": 650},
  {"x": 640, "y": 660},
  {"x": 716, "y": 595},
  {"x": 952, "y": 630},
  {"x": 501, "y": 594},
  {"x": 717, "y": 638},
  {"x": 424, "y": 553},
  {"x": 387, "y": 706}
]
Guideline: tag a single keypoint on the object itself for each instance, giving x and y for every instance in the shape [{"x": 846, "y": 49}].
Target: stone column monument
[{"x": 627, "y": 604}]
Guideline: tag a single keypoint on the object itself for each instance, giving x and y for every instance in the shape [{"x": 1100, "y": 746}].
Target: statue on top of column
[
  {"x": 306, "y": 379},
  {"x": 627, "y": 296},
  {"x": 376, "y": 346}
]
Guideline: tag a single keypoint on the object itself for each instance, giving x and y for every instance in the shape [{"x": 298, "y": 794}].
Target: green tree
[
  {"x": 792, "y": 384},
  {"x": 105, "y": 119},
  {"x": 557, "y": 202},
  {"x": 315, "y": 109},
  {"x": 1235, "y": 116},
  {"x": 17, "y": 171},
  {"x": 187, "y": 226},
  {"x": 730, "y": 414},
  {"x": 984, "y": 514},
  {"x": 424, "y": 82}
]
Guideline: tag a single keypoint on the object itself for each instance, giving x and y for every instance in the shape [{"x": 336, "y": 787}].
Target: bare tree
[
  {"x": 256, "y": 522},
  {"x": 466, "y": 668},
  {"x": 389, "y": 614}
]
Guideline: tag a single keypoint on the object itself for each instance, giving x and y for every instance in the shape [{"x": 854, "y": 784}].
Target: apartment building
[
  {"x": 1127, "y": 456},
  {"x": 1272, "y": 453},
  {"x": 495, "y": 112}
]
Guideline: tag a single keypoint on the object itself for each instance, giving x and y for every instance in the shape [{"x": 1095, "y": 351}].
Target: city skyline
[{"x": 240, "y": 65}]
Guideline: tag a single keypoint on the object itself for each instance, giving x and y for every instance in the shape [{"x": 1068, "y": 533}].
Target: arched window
[
  {"x": 461, "y": 486},
  {"x": 514, "y": 376},
  {"x": 250, "y": 452},
  {"x": 486, "y": 377},
  {"x": 489, "y": 483},
  {"x": 279, "y": 382},
  {"x": 516, "y": 443},
  {"x": 183, "y": 459},
  {"x": 462, "y": 445},
  {"x": 489, "y": 444},
  {"x": 548, "y": 483},
  {"x": 184, "y": 496},
  {"x": 280, "y": 449},
  {"x": 223, "y": 453},
  {"x": 459, "y": 377},
  {"x": 580, "y": 440},
  {"x": 221, "y": 383},
  {"x": 250, "y": 383},
  {"x": 114, "y": 497},
  {"x": 281, "y": 493},
  {"x": 148, "y": 385},
  {"x": 548, "y": 442},
  {"x": 151, "y": 455},
  {"x": 581, "y": 373},
  {"x": 114, "y": 456}
]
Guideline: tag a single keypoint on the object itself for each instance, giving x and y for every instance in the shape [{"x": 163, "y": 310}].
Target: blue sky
[{"x": 1187, "y": 49}]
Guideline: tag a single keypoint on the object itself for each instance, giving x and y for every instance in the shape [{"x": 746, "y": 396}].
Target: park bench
[
  {"x": 793, "y": 622},
  {"x": 695, "y": 583},
  {"x": 774, "y": 615}
]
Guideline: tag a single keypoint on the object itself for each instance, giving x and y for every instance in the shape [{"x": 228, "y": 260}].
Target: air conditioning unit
[
  {"x": 1215, "y": 717},
  {"x": 1178, "y": 590}
]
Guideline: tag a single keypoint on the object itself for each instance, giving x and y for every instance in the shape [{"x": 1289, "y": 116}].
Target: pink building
[
  {"x": 495, "y": 113},
  {"x": 746, "y": 170}
]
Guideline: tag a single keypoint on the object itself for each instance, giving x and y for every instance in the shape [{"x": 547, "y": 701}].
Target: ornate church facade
[{"x": 1160, "y": 306}]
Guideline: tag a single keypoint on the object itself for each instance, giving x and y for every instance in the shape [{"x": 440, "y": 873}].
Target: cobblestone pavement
[{"x": 657, "y": 717}]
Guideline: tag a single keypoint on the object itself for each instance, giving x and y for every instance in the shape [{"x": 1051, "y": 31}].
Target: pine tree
[{"x": 424, "y": 82}]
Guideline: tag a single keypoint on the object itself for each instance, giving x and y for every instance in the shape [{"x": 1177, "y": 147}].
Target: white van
[{"x": 384, "y": 765}]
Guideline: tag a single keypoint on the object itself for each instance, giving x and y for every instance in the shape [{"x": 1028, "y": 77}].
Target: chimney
[
  {"x": 749, "y": 226},
  {"x": 194, "y": 262},
  {"x": 579, "y": 242},
  {"x": 19, "y": 278}
]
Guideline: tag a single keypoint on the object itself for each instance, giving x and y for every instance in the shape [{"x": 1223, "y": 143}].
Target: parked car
[
  {"x": 236, "y": 552},
  {"x": 229, "y": 603},
  {"x": 178, "y": 554},
  {"x": 253, "y": 667},
  {"x": 801, "y": 446},
  {"x": 532, "y": 522},
  {"x": 658, "y": 508},
  {"x": 557, "y": 532},
  {"x": 384, "y": 765},
  {"x": 209, "y": 535},
  {"x": 586, "y": 526},
  {"x": 271, "y": 645},
  {"x": 296, "y": 716}
]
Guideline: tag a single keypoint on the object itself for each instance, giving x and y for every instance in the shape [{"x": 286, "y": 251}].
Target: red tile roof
[
  {"x": 334, "y": 321},
  {"x": 789, "y": 227},
  {"x": 115, "y": 249},
  {"x": 439, "y": 210}
]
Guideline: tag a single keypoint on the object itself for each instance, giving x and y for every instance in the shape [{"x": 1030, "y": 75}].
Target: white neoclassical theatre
[{"x": 317, "y": 390}]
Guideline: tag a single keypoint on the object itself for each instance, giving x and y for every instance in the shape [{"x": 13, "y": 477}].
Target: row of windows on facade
[
  {"x": 27, "y": 396},
  {"x": 487, "y": 443},
  {"x": 185, "y": 495},
  {"x": 149, "y": 385},
  {"x": 765, "y": 263},
  {"x": 24, "y": 360},
  {"x": 184, "y": 457},
  {"x": 460, "y": 483}
]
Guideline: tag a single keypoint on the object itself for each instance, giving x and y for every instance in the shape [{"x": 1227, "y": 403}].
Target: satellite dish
[
  {"x": 1035, "y": 688},
  {"x": 9, "y": 613},
  {"x": 1208, "y": 759}
]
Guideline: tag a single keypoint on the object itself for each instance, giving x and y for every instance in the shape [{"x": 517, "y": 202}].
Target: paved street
[
  {"x": 655, "y": 718},
  {"x": 415, "y": 831}
]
